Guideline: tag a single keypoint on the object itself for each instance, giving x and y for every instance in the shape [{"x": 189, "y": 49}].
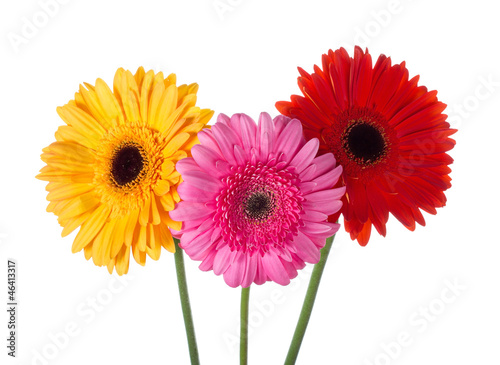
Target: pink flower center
[{"x": 259, "y": 207}]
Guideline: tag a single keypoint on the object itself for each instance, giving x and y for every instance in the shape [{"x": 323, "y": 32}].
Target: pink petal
[
  {"x": 208, "y": 262},
  {"x": 324, "y": 163},
  {"x": 246, "y": 128},
  {"x": 197, "y": 247},
  {"x": 240, "y": 155},
  {"x": 195, "y": 195},
  {"x": 233, "y": 276},
  {"x": 222, "y": 260},
  {"x": 274, "y": 269},
  {"x": 305, "y": 156},
  {"x": 313, "y": 216},
  {"x": 251, "y": 270},
  {"x": 323, "y": 229},
  {"x": 280, "y": 122},
  {"x": 325, "y": 201},
  {"x": 206, "y": 158},
  {"x": 223, "y": 118},
  {"x": 226, "y": 139},
  {"x": 202, "y": 180},
  {"x": 290, "y": 269},
  {"x": 307, "y": 187},
  {"x": 329, "y": 179},
  {"x": 308, "y": 173},
  {"x": 306, "y": 249},
  {"x": 187, "y": 164},
  {"x": 189, "y": 211},
  {"x": 216, "y": 235},
  {"x": 207, "y": 139},
  {"x": 260, "y": 275},
  {"x": 289, "y": 139},
  {"x": 266, "y": 136},
  {"x": 323, "y": 196}
]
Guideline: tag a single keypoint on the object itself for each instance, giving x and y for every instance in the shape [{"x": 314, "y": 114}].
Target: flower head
[
  {"x": 112, "y": 167},
  {"x": 255, "y": 199},
  {"x": 388, "y": 133}
]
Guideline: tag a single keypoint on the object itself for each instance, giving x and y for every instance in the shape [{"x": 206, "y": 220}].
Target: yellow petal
[
  {"x": 131, "y": 107},
  {"x": 178, "y": 125},
  {"x": 167, "y": 240},
  {"x": 118, "y": 237},
  {"x": 71, "y": 151},
  {"x": 96, "y": 110},
  {"x": 167, "y": 167},
  {"x": 175, "y": 144},
  {"x": 91, "y": 228},
  {"x": 111, "y": 265},
  {"x": 122, "y": 261},
  {"x": 162, "y": 187},
  {"x": 167, "y": 202},
  {"x": 139, "y": 76},
  {"x": 79, "y": 102},
  {"x": 131, "y": 227},
  {"x": 173, "y": 119},
  {"x": 66, "y": 163},
  {"x": 141, "y": 240},
  {"x": 74, "y": 223},
  {"x": 154, "y": 248},
  {"x": 193, "y": 128},
  {"x": 84, "y": 123},
  {"x": 189, "y": 102},
  {"x": 154, "y": 214},
  {"x": 193, "y": 88},
  {"x": 108, "y": 102},
  {"x": 193, "y": 141},
  {"x": 174, "y": 193},
  {"x": 87, "y": 250},
  {"x": 102, "y": 244},
  {"x": 182, "y": 91},
  {"x": 69, "y": 134},
  {"x": 144, "y": 215},
  {"x": 68, "y": 191},
  {"x": 168, "y": 103},
  {"x": 66, "y": 178},
  {"x": 139, "y": 256},
  {"x": 79, "y": 205},
  {"x": 60, "y": 206},
  {"x": 170, "y": 80},
  {"x": 171, "y": 223},
  {"x": 205, "y": 116},
  {"x": 154, "y": 101},
  {"x": 51, "y": 206},
  {"x": 145, "y": 94}
]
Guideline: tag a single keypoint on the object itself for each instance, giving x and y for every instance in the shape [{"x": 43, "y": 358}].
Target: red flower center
[{"x": 361, "y": 140}]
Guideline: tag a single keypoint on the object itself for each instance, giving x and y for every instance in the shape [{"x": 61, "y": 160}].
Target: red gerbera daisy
[{"x": 388, "y": 133}]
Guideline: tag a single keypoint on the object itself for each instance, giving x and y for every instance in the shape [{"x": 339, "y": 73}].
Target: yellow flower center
[{"x": 128, "y": 166}]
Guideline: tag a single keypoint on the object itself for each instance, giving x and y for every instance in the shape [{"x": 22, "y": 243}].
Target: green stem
[
  {"x": 186, "y": 307},
  {"x": 307, "y": 307},
  {"x": 245, "y": 298}
]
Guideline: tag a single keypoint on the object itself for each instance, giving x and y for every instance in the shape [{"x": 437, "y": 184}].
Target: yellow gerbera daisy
[{"x": 112, "y": 167}]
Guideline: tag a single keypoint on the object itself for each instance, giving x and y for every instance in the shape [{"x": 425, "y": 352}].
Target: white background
[{"x": 245, "y": 60}]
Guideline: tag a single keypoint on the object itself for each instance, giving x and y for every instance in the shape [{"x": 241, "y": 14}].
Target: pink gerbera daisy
[{"x": 256, "y": 199}]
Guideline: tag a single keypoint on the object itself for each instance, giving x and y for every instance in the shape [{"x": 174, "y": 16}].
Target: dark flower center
[
  {"x": 258, "y": 206},
  {"x": 364, "y": 142},
  {"x": 127, "y": 164}
]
